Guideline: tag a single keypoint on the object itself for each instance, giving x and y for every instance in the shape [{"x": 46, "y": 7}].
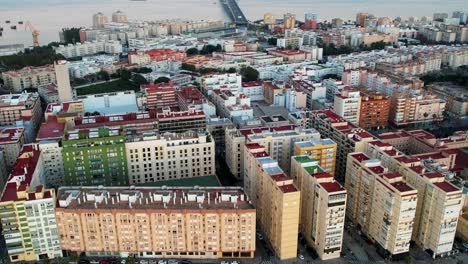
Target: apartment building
[
  {"x": 374, "y": 112},
  {"x": 147, "y": 56},
  {"x": 348, "y": 105},
  {"x": 392, "y": 215},
  {"x": 165, "y": 121},
  {"x": 49, "y": 139},
  {"x": 407, "y": 109},
  {"x": 21, "y": 110},
  {"x": 292, "y": 56},
  {"x": 27, "y": 211},
  {"x": 153, "y": 157},
  {"x": 361, "y": 172},
  {"x": 65, "y": 112},
  {"x": 324, "y": 150},
  {"x": 348, "y": 137},
  {"x": 11, "y": 143},
  {"x": 439, "y": 202},
  {"x": 382, "y": 204},
  {"x": 229, "y": 81},
  {"x": 28, "y": 77},
  {"x": 89, "y": 48},
  {"x": 94, "y": 157},
  {"x": 323, "y": 206},
  {"x": 159, "y": 96},
  {"x": 152, "y": 222},
  {"x": 276, "y": 199},
  {"x": 278, "y": 141}
]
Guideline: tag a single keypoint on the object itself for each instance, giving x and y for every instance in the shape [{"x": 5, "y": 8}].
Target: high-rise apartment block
[
  {"x": 407, "y": 109},
  {"x": 21, "y": 110},
  {"x": 64, "y": 89},
  {"x": 278, "y": 143},
  {"x": 94, "y": 157},
  {"x": 347, "y": 136},
  {"x": 324, "y": 150},
  {"x": 439, "y": 202},
  {"x": 11, "y": 143},
  {"x": 381, "y": 204},
  {"x": 275, "y": 198},
  {"x": 323, "y": 206},
  {"x": 289, "y": 21},
  {"x": 28, "y": 77},
  {"x": 374, "y": 111},
  {"x": 119, "y": 17},
  {"x": 152, "y": 157},
  {"x": 205, "y": 223},
  {"x": 27, "y": 211},
  {"x": 348, "y": 105},
  {"x": 99, "y": 19}
]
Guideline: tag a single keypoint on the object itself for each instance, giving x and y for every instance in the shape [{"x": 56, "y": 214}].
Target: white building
[
  {"x": 348, "y": 105},
  {"x": 110, "y": 103},
  {"x": 89, "y": 48},
  {"x": 230, "y": 81},
  {"x": 152, "y": 157}
]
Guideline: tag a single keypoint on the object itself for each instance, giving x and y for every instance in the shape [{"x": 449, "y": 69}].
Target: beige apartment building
[
  {"x": 392, "y": 216},
  {"x": 323, "y": 206},
  {"x": 153, "y": 222},
  {"x": 153, "y": 157},
  {"x": 407, "y": 109},
  {"x": 276, "y": 199},
  {"x": 382, "y": 204},
  {"x": 29, "y": 77},
  {"x": 278, "y": 141},
  {"x": 439, "y": 202}
]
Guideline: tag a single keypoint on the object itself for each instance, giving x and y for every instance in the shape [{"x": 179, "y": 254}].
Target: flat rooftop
[{"x": 173, "y": 198}]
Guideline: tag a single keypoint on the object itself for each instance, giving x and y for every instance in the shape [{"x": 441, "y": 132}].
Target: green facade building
[{"x": 95, "y": 157}]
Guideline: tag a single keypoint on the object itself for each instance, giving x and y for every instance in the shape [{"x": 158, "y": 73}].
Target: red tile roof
[
  {"x": 360, "y": 157},
  {"x": 288, "y": 188},
  {"x": 446, "y": 186},
  {"x": 402, "y": 186},
  {"x": 51, "y": 129},
  {"x": 332, "y": 187}
]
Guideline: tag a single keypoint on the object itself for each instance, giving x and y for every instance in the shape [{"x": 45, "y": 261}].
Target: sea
[{"x": 50, "y": 16}]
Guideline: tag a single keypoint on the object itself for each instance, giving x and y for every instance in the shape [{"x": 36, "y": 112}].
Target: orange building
[
  {"x": 156, "y": 222},
  {"x": 155, "y": 55},
  {"x": 375, "y": 109}
]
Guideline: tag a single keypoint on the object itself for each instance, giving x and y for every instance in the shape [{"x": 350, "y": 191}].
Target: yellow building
[
  {"x": 276, "y": 199},
  {"x": 324, "y": 150},
  {"x": 323, "y": 205},
  {"x": 27, "y": 211},
  {"x": 289, "y": 21},
  {"x": 156, "y": 222}
]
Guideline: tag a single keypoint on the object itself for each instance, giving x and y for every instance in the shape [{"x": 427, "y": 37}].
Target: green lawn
[
  {"x": 108, "y": 87},
  {"x": 204, "y": 181}
]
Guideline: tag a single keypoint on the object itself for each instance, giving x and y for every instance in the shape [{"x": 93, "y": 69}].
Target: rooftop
[
  {"x": 153, "y": 198},
  {"x": 402, "y": 186},
  {"x": 446, "y": 187},
  {"x": 332, "y": 187},
  {"x": 360, "y": 157},
  {"x": 10, "y": 135},
  {"x": 288, "y": 188},
  {"x": 51, "y": 130}
]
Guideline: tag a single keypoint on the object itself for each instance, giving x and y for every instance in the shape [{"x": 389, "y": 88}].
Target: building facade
[{"x": 156, "y": 222}]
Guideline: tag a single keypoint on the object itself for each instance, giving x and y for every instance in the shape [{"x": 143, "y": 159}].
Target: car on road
[
  {"x": 301, "y": 257},
  {"x": 234, "y": 262},
  {"x": 162, "y": 261}
]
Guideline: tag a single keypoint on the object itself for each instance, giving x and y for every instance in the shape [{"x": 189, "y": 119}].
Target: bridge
[{"x": 234, "y": 11}]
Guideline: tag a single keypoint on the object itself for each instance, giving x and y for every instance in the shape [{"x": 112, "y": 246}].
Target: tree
[
  {"x": 103, "y": 75},
  {"x": 139, "y": 79},
  {"x": 124, "y": 74},
  {"x": 162, "y": 80},
  {"x": 192, "y": 52},
  {"x": 249, "y": 74},
  {"x": 188, "y": 67},
  {"x": 71, "y": 35},
  {"x": 231, "y": 70},
  {"x": 209, "y": 49},
  {"x": 408, "y": 260},
  {"x": 95, "y": 113},
  {"x": 272, "y": 41},
  {"x": 142, "y": 70}
]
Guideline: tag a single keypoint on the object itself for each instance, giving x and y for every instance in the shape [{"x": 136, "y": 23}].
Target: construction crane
[{"x": 34, "y": 32}]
